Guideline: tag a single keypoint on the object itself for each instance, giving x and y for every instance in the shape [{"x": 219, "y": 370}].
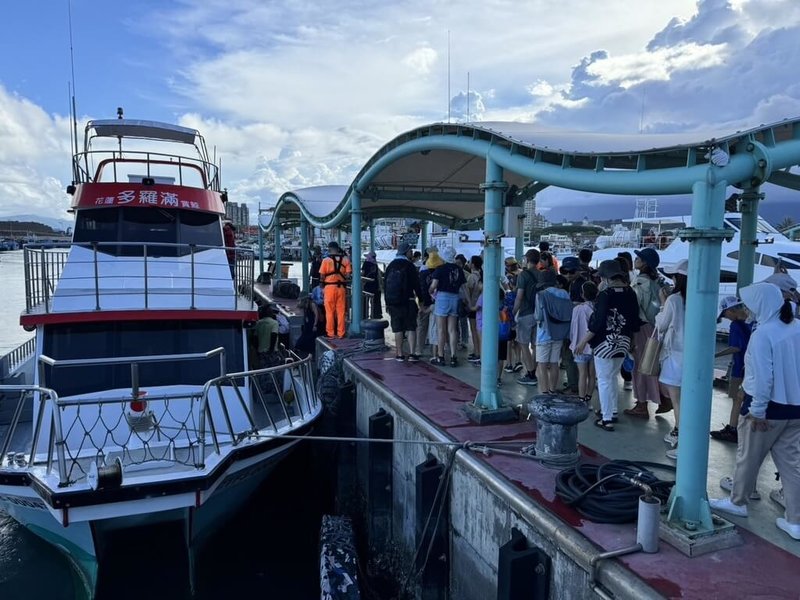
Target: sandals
[
  {"x": 604, "y": 425},
  {"x": 599, "y": 414},
  {"x": 439, "y": 360}
]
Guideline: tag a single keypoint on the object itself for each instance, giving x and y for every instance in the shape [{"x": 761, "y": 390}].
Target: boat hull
[{"x": 82, "y": 541}]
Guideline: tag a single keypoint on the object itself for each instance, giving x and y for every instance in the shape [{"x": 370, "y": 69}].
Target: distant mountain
[{"x": 55, "y": 224}]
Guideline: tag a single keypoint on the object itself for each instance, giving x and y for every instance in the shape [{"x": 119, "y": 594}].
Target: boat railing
[
  {"x": 10, "y": 362},
  {"x": 44, "y": 269},
  {"x": 172, "y": 165},
  {"x": 161, "y": 430}
]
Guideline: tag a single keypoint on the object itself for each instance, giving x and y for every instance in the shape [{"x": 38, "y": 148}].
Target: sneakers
[
  {"x": 437, "y": 360},
  {"x": 453, "y": 361},
  {"x": 639, "y": 410},
  {"x": 413, "y": 358},
  {"x": 777, "y": 497},
  {"x": 793, "y": 529},
  {"x": 726, "y": 483},
  {"x": 726, "y": 434},
  {"x": 725, "y": 505},
  {"x": 400, "y": 358},
  {"x": 673, "y": 454},
  {"x": 672, "y": 437},
  {"x": 508, "y": 368},
  {"x": 527, "y": 380},
  {"x": 518, "y": 367},
  {"x": 473, "y": 357}
]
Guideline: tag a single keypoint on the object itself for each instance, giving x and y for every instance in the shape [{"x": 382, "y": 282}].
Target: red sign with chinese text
[{"x": 97, "y": 195}]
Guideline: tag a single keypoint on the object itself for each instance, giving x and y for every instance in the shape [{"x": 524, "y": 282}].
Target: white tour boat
[{"x": 142, "y": 406}]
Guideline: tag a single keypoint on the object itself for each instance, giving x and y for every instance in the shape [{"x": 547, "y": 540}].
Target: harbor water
[{"x": 268, "y": 550}]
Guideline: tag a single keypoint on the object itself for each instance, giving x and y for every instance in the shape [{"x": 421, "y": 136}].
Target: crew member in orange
[{"x": 334, "y": 273}]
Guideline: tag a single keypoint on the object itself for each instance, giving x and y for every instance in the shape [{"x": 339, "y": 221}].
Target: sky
[{"x": 293, "y": 94}]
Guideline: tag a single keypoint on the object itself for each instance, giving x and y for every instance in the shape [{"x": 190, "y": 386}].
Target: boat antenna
[
  {"x": 120, "y": 115},
  {"x": 448, "y": 75},
  {"x": 74, "y": 112}
]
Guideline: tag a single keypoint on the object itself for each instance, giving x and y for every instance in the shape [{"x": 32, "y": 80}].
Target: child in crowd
[
  {"x": 738, "y": 338},
  {"x": 578, "y": 328},
  {"x": 505, "y": 332}
]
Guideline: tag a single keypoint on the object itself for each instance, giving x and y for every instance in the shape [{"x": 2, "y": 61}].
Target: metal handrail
[
  {"x": 133, "y": 361},
  {"x": 208, "y": 170},
  {"x": 303, "y": 365},
  {"x": 45, "y": 393},
  {"x": 17, "y": 356},
  {"x": 44, "y": 267}
]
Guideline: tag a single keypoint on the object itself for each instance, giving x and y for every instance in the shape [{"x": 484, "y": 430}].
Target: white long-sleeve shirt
[{"x": 670, "y": 326}]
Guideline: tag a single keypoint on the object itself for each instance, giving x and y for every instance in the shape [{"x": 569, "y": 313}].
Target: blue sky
[{"x": 295, "y": 94}]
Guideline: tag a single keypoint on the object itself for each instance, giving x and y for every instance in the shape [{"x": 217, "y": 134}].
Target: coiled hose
[{"x": 599, "y": 493}]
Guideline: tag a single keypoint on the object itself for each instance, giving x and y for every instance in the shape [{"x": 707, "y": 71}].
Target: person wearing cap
[
  {"x": 771, "y": 409},
  {"x": 647, "y": 287},
  {"x": 334, "y": 273},
  {"x": 730, "y": 307},
  {"x": 611, "y": 328},
  {"x": 370, "y": 275},
  {"x": 670, "y": 327},
  {"x": 570, "y": 268},
  {"x": 401, "y": 291},
  {"x": 446, "y": 284},
  {"x": 788, "y": 287}
]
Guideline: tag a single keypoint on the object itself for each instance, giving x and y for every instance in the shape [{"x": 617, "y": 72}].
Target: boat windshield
[
  {"x": 150, "y": 226},
  {"x": 761, "y": 227},
  {"x": 139, "y": 338}
]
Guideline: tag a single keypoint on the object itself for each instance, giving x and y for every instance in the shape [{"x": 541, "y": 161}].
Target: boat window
[
  {"x": 734, "y": 255},
  {"x": 148, "y": 226},
  {"x": 792, "y": 257},
  {"x": 151, "y": 226},
  {"x": 769, "y": 261},
  {"x": 140, "y": 338},
  {"x": 761, "y": 226},
  {"x": 202, "y": 229},
  {"x": 727, "y": 276}
]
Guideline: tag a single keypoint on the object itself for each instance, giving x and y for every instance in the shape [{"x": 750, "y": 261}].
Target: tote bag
[{"x": 649, "y": 364}]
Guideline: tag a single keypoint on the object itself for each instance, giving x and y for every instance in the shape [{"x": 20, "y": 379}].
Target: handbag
[{"x": 650, "y": 363}]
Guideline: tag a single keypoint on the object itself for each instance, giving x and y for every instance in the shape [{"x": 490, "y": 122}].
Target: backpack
[
  {"x": 506, "y": 324},
  {"x": 318, "y": 296},
  {"x": 394, "y": 285},
  {"x": 557, "y": 315}
]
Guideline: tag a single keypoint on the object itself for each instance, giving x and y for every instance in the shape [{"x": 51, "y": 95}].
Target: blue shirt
[{"x": 739, "y": 337}]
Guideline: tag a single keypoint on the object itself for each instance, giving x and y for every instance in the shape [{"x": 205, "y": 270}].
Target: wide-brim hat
[{"x": 679, "y": 268}]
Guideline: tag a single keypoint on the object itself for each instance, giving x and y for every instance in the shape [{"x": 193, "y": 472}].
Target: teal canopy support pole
[
  {"x": 748, "y": 237},
  {"x": 260, "y": 242},
  {"x": 519, "y": 241},
  {"x": 278, "y": 251},
  {"x": 688, "y": 504},
  {"x": 372, "y": 236},
  {"x": 489, "y": 397},
  {"x": 304, "y": 253},
  {"x": 355, "y": 239},
  {"x": 423, "y": 237}
]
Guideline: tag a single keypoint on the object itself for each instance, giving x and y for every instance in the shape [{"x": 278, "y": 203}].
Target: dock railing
[
  {"x": 44, "y": 269},
  {"x": 160, "y": 430}
]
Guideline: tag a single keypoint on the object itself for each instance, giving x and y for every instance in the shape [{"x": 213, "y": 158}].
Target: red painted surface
[
  {"x": 101, "y": 316},
  {"x": 109, "y": 195},
  {"x": 757, "y": 569}
]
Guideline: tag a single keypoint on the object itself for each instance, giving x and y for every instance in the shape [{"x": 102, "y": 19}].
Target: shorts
[
  {"x": 526, "y": 329},
  {"x": 403, "y": 317},
  {"x": 583, "y": 359},
  {"x": 549, "y": 352},
  {"x": 446, "y": 305}
]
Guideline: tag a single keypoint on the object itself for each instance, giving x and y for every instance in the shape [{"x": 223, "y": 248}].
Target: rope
[{"x": 604, "y": 494}]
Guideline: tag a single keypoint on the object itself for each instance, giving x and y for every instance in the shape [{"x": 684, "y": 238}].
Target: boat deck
[{"x": 764, "y": 566}]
